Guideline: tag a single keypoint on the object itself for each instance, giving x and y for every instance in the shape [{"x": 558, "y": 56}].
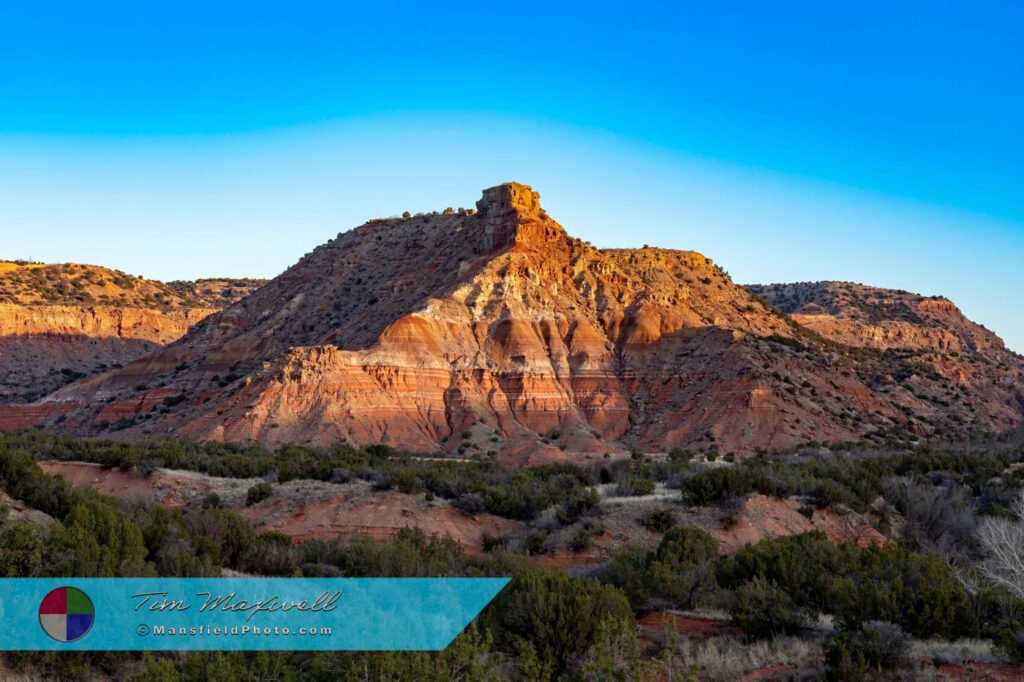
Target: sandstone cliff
[
  {"x": 495, "y": 332},
  {"x": 61, "y": 322},
  {"x": 859, "y": 315}
]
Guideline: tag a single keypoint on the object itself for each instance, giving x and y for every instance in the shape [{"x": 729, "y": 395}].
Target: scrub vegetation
[{"x": 944, "y": 576}]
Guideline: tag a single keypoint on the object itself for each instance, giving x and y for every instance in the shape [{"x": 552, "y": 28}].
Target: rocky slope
[
  {"x": 494, "y": 331},
  {"x": 859, "y": 315},
  {"x": 65, "y": 321}
]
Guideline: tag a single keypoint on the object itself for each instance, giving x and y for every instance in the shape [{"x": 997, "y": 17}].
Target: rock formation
[
  {"x": 496, "y": 333},
  {"x": 62, "y": 322}
]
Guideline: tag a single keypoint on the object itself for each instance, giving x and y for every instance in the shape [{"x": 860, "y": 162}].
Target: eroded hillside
[
  {"x": 61, "y": 322},
  {"x": 495, "y": 332}
]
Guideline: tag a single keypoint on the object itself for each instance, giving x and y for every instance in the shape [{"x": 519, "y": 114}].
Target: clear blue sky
[{"x": 873, "y": 142}]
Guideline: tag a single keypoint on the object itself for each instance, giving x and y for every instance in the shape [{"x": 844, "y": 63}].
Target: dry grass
[
  {"x": 727, "y": 658},
  {"x": 956, "y": 653}
]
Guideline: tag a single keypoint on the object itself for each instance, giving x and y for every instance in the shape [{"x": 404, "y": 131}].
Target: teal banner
[{"x": 181, "y": 614}]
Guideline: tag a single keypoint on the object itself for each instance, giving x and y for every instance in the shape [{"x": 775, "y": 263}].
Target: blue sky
[{"x": 878, "y": 143}]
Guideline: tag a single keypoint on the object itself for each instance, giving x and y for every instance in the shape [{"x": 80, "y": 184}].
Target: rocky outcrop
[
  {"x": 496, "y": 333},
  {"x": 511, "y": 214},
  {"x": 885, "y": 319},
  {"x": 99, "y": 322},
  {"x": 63, "y": 321},
  {"x": 44, "y": 347}
]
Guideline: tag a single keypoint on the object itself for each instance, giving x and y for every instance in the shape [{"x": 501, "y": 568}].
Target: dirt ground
[{"x": 301, "y": 509}]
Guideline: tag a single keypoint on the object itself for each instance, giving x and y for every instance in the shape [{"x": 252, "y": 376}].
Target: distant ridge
[{"x": 59, "y": 322}]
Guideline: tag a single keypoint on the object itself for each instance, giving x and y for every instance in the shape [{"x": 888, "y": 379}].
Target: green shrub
[
  {"x": 658, "y": 520},
  {"x": 635, "y": 487},
  {"x": 801, "y": 565},
  {"x": 224, "y": 536},
  {"x": 862, "y": 654},
  {"x": 583, "y": 538},
  {"x": 273, "y": 554},
  {"x": 559, "y": 617},
  {"x": 921, "y": 593},
  {"x": 720, "y": 483},
  {"x": 763, "y": 609},
  {"x": 626, "y": 569},
  {"x": 682, "y": 569},
  {"x": 258, "y": 492},
  {"x": 679, "y": 455},
  {"x": 579, "y": 502},
  {"x": 101, "y": 541}
]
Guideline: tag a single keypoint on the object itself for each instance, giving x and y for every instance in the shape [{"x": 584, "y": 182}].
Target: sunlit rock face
[{"x": 493, "y": 332}]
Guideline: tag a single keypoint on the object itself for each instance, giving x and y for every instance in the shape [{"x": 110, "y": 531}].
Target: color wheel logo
[{"x": 66, "y": 614}]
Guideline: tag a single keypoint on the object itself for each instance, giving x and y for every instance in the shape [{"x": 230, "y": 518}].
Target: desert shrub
[
  {"x": 26, "y": 550},
  {"x": 802, "y": 565},
  {"x": 658, "y": 520},
  {"x": 411, "y": 553},
  {"x": 682, "y": 569},
  {"x": 180, "y": 561},
  {"x": 763, "y": 609},
  {"x": 862, "y": 654},
  {"x": 1009, "y": 641},
  {"x": 635, "y": 487},
  {"x": 157, "y": 668},
  {"x": 535, "y": 542},
  {"x": 101, "y": 541},
  {"x": 680, "y": 455},
  {"x": 583, "y": 538},
  {"x": 324, "y": 552},
  {"x": 273, "y": 554},
  {"x": 23, "y": 480},
  {"x": 626, "y": 569},
  {"x": 172, "y": 400},
  {"x": 720, "y": 483},
  {"x": 517, "y": 499},
  {"x": 171, "y": 544},
  {"x": 679, "y": 573},
  {"x": 258, "y": 492},
  {"x": 469, "y": 504},
  {"x": 520, "y": 494},
  {"x": 406, "y": 481},
  {"x": 223, "y": 535},
  {"x": 920, "y": 593},
  {"x": 557, "y": 616},
  {"x": 580, "y": 501}
]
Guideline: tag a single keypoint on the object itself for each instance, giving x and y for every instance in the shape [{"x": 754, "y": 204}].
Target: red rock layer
[{"x": 497, "y": 331}]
